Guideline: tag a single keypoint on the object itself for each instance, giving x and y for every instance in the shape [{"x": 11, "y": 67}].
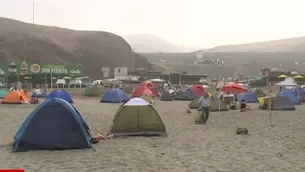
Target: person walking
[{"x": 204, "y": 106}]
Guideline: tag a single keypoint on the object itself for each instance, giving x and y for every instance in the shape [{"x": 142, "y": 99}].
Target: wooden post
[{"x": 269, "y": 105}]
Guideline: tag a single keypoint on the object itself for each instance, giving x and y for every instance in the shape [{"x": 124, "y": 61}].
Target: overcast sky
[{"x": 204, "y": 23}]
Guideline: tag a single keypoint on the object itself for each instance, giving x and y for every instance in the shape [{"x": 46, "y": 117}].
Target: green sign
[{"x": 26, "y": 68}]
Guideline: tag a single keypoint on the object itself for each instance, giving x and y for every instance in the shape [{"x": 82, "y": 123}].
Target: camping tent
[
  {"x": 299, "y": 92},
  {"x": 197, "y": 89},
  {"x": 227, "y": 98},
  {"x": 249, "y": 97},
  {"x": 287, "y": 82},
  {"x": 114, "y": 95},
  {"x": 259, "y": 92},
  {"x": 186, "y": 94},
  {"x": 217, "y": 105},
  {"x": 15, "y": 97},
  {"x": 53, "y": 125},
  {"x": 166, "y": 96},
  {"x": 142, "y": 90},
  {"x": 37, "y": 93},
  {"x": 147, "y": 98},
  {"x": 194, "y": 104},
  {"x": 3, "y": 93},
  {"x": 94, "y": 91},
  {"x": 62, "y": 94},
  {"x": 41, "y": 95},
  {"x": 292, "y": 96},
  {"x": 279, "y": 103},
  {"x": 137, "y": 118}
]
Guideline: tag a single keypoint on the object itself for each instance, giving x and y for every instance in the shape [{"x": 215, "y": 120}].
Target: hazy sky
[{"x": 204, "y": 23}]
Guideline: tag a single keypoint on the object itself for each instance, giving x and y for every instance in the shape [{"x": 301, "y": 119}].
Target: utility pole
[
  {"x": 33, "y": 3},
  {"x": 133, "y": 65}
]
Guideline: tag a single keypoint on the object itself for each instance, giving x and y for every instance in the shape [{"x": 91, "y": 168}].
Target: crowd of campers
[{"x": 136, "y": 115}]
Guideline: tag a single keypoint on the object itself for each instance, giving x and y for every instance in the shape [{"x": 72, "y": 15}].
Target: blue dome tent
[
  {"x": 114, "y": 96},
  {"x": 292, "y": 96},
  {"x": 62, "y": 94},
  {"x": 187, "y": 94},
  {"x": 54, "y": 125},
  {"x": 299, "y": 92},
  {"x": 249, "y": 97}
]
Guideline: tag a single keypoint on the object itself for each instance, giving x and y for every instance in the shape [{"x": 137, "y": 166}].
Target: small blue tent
[
  {"x": 299, "y": 92},
  {"x": 62, "y": 94},
  {"x": 54, "y": 125},
  {"x": 249, "y": 97},
  {"x": 114, "y": 96},
  {"x": 291, "y": 95},
  {"x": 187, "y": 94}
]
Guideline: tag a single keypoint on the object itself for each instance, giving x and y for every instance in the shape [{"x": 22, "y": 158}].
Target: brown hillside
[
  {"x": 93, "y": 49},
  {"x": 183, "y": 62},
  {"x": 282, "y": 45}
]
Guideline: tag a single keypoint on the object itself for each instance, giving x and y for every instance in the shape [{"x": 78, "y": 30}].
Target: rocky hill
[
  {"x": 282, "y": 45},
  {"x": 152, "y": 44},
  {"x": 44, "y": 44}
]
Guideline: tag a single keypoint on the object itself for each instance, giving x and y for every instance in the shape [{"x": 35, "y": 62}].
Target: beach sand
[{"x": 188, "y": 147}]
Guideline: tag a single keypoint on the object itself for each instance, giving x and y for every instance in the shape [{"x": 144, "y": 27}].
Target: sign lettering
[
  {"x": 54, "y": 70},
  {"x": 75, "y": 71}
]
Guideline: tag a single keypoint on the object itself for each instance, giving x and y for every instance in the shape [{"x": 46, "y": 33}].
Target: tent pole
[
  {"x": 219, "y": 104},
  {"x": 51, "y": 83},
  {"x": 269, "y": 106}
]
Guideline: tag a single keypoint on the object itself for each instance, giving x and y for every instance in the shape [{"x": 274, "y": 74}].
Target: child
[{"x": 243, "y": 106}]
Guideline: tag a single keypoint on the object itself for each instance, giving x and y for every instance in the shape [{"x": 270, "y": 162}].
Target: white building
[{"x": 121, "y": 73}]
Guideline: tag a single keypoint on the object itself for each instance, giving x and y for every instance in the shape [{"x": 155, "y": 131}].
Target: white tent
[
  {"x": 157, "y": 80},
  {"x": 287, "y": 82},
  {"x": 136, "y": 102}
]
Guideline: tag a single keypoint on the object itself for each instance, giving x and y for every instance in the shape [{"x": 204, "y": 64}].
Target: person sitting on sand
[
  {"x": 34, "y": 99},
  {"x": 243, "y": 106}
]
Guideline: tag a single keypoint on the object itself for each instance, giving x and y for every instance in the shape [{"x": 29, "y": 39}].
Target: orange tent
[{"x": 15, "y": 97}]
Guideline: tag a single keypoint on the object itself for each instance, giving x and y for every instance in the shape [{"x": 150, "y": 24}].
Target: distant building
[{"x": 121, "y": 73}]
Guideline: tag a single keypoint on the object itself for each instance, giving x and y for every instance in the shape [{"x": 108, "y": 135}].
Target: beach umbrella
[
  {"x": 234, "y": 89},
  {"x": 282, "y": 76},
  {"x": 299, "y": 77}
]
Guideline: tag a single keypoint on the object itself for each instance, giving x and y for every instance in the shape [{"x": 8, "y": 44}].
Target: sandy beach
[{"x": 188, "y": 147}]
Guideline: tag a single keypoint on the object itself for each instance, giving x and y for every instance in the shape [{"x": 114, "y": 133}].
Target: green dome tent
[
  {"x": 218, "y": 106},
  {"x": 137, "y": 118},
  {"x": 194, "y": 104},
  {"x": 95, "y": 91},
  {"x": 147, "y": 98},
  {"x": 3, "y": 93},
  {"x": 215, "y": 106}
]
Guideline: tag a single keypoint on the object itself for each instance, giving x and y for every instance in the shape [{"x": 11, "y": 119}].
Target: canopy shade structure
[
  {"x": 282, "y": 76},
  {"x": 287, "y": 82}
]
